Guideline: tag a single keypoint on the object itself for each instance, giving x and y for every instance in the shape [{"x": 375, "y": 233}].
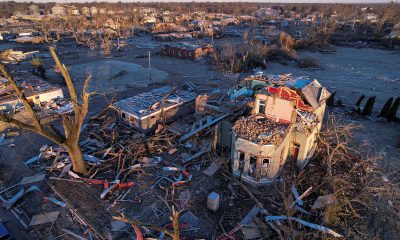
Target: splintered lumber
[
  {"x": 305, "y": 223},
  {"x": 26, "y": 180},
  {"x": 194, "y": 156},
  {"x": 203, "y": 127},
  {"x": 82, "y": 199}
]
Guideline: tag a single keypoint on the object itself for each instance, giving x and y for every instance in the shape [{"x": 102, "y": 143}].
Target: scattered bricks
[
  {"x": 213, "y": 201},
  {"x": 260, "y": 130}
]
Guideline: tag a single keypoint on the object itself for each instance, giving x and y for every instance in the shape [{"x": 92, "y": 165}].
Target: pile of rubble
[
  {"x": 13, "y": 57},
  {"x": 128, "y": 167},
  {"x": 260, "y": 130}
]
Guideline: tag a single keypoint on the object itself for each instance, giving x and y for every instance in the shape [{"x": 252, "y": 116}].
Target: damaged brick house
[{"x": 286, "y": 118}]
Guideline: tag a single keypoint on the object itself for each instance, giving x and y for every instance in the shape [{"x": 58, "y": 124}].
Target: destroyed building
[
  {"x": 286, "y": 118},
  {"x": 189, "y": 51},
  {"x": 145, "y": 111},
  {"x": 169, "y": 37},
  {"x": 11, "y": 56},
  {"x": 36, "y": 90}
]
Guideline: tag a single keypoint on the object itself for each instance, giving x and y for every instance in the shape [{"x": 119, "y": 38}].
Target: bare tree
[
  {"x": 75, "y": 25},
  {"x": 72, "y": 124},
  {"x": 320, "y": 34},
  {"x": 285, "y": 40},
  {"x": 44, "y": 27},
  {"x": 175, "y": 224},
  {"x": 387, "y": 14}
]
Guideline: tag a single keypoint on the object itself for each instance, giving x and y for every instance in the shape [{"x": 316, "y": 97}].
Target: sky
[{"x": 262, "y": 1}]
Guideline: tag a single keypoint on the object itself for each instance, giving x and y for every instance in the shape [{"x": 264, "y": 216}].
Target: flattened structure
[{"x": 144, "y": 111}]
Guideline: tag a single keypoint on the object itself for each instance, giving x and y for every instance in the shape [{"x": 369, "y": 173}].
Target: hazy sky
[{"x": 262, "y": 1}]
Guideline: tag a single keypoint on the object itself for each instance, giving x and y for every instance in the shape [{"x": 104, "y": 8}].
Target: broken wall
[
  {"x": 275, "y": 108},
  {"x": 276, "y": 155},
  {"x": 224, "y": 139},
  {"x": 48, "y": 96},
  {"x": 320, "y": 112},
  {"x": 306, "y": 141}
]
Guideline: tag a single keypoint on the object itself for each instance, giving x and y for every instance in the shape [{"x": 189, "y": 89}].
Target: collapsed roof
[
  {"x": 311, "y": 91},
  {"x": 151, "y": 102},
  {"x": 260, "y": 130}
]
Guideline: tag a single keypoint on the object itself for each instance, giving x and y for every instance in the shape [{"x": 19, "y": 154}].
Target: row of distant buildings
[
  {"x": 64, "y": 10},
  {"x": 265, "y": 24}
]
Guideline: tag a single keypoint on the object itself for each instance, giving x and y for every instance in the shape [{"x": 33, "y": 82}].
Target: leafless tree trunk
[
  {"x": 72, "y": 124},
  {"x": 44, "y": 27}
]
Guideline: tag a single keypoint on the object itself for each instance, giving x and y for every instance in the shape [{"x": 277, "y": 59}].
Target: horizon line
[{"x": 208, "y": 1}]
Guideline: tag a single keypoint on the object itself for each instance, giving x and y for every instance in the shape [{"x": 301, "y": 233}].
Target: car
[{"x": 4, "y": 233}]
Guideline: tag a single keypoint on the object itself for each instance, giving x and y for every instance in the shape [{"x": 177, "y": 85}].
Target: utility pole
[{"x": 149, "y": 54}]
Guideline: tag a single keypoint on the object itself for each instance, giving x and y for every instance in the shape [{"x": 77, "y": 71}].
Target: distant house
[
  {"x": 110, "y": 23},
  {"x": 202, "y": 24},
  {"x": 33, "y": 9},
  {"x": 86, "y": 11},
  {"x": 145, "y": 111},
  {"x": 230, "y": 21},
  {"x": 167, "y": 17},
  {"x": 74, "y": 11},
  {"x": 267, "y": 12},
  {"x": 395, "y": 32},
  {"x": 93, "y": 11},
  {"x": 58, "y": 10},
  {"x": 164, "y": 27},
  {"x": 286, "y": 118},
  {"x": 169, "y": 37},
  {"x": 149, "y": 19},
  {"x": 189, "y": 51},
  {"x": 372, "y": 17}
]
